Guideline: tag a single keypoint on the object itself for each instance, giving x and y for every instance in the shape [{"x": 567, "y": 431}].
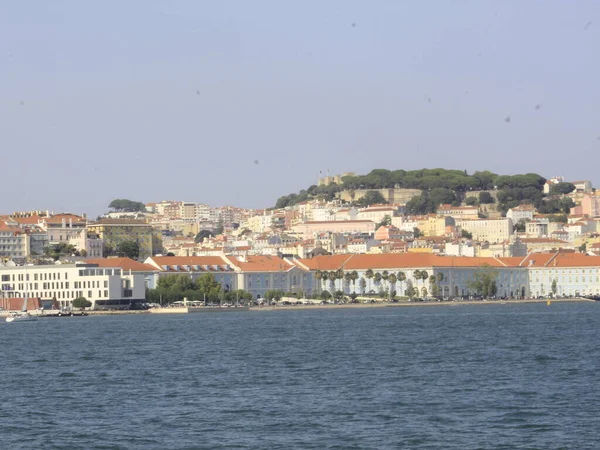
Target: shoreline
[
  {"x": 411, "y": 304},
  {"x": 343, "y": 306}
]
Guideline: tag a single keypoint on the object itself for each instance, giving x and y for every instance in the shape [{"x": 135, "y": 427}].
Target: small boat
[{"x": 21, "y": 316}]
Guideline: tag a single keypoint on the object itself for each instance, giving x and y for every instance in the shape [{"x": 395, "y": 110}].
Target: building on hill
[
  {"x": 115, "y": 231},
  {"x": 584, "y": 186},
  {"x": 490, "y": 230},
  {"x": 310, "y": 229},
  {"x": 521, "y": 212},
  {"x": 589, "y": 205},
  {"x": 458, "y": 212},
  {"x": 14, "y": 243}
]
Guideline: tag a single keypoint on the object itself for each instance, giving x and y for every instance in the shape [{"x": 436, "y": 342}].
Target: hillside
[{"x": 439, "y": 186}]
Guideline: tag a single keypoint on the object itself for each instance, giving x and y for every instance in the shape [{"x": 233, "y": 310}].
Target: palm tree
[
  {"x": 332, "y": 278},
  {"x": 354, "y": 277},
  {"x": 369, "y": 275},
  {"x": 392, "y": 280},
  {"x": 363, "y": 285},
  {"x": 347, "y": 279},
  {"x": 377, "y": 278},
  {"x": 319, "y": 276},
  {"x": 324, "y": 277},
  {"x": 385, "y": 275},
  {"x": 401, "y": 278}
]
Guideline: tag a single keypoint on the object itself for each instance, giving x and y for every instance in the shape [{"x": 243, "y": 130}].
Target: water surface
[{"x": 452, "y": 377}]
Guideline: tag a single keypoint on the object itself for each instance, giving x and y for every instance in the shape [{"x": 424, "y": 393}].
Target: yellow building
[{"x": 115, "y": 231}]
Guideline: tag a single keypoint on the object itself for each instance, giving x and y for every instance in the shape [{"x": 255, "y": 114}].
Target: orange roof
[
  {"x": 337, "y": 221},
  {"x": 59, "y": 217},
  {"x": 394, "y": 260},
  {"x": 31, "y": 220},
  {"x": 262, "y": 263},
  {"x": 122, "y": 263},
  {"x": 188, "y": 260}
]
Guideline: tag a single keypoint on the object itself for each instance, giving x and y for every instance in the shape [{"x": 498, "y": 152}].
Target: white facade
[
  {"x": 490, "y": 230},
  {"x": 104, "y": 287},
  {"x": 523, "y": 212}
]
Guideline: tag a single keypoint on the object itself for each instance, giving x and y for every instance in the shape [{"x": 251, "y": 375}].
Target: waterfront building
[{"x": 105, "y": 287}]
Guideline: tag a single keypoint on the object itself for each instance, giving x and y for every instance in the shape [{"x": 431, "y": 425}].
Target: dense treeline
[
  {"x": 175, "y": 287},
  {"x": 441, "y": 186}
]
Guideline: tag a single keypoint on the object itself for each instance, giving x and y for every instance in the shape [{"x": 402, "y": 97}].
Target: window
[{"x": 89, "y": 294}]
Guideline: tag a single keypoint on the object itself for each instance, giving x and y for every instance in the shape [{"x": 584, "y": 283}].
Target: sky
[{"x": 240, "y": 102}]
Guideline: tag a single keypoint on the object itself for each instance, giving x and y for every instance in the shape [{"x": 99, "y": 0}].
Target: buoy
[{"x": 548, "y": 302}]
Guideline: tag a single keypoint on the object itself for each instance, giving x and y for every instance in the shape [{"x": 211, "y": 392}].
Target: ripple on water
[{"x": 419, "y": 378}]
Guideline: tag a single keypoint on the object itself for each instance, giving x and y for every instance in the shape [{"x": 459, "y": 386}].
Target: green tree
[
  {"x": 392, "y": 279},
  {"x": 484, "y": 281},
  {"x": 386, "y": 221},
  {"x": 124, "y": 205},
  {"x": 464, "y": 233},
  {"x": 371, "y": 198},
  {"x": 81, "y": 302},
  {"x": 325, "y": 295},
  {"x": 363, "y": 285},
  {"x": 128, "y": 249},
  {"x": 417, "y": 233},
  {"x": 485, "y": 198},
  {"x": 354, "y": 277},
  {"x": 554, "y": 287},
  {"x": 561, "y": 188},
  {"x": 520, "y": 226},
  {"x": 60, "y": 250},
  {"x": 472, "y": 201},
  {"x": 377, "y": 278}
]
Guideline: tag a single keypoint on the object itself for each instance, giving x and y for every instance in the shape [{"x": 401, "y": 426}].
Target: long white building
[{"x": 105, "y": 287}]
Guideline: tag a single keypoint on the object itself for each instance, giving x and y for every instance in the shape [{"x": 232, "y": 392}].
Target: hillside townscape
[{"x": 388, "y": 235}]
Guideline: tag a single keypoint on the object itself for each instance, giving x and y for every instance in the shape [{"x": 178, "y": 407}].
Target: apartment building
[
  {"x": 490, "y": 230},
  {"x": 115, "y": 231},
  {"x": 14, "y": 243},
  {"x": 310, "y": 229},
  {"x": 458, "y": 212}
]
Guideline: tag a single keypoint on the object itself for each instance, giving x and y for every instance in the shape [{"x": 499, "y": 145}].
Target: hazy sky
[{"x": 240, "y": 102}]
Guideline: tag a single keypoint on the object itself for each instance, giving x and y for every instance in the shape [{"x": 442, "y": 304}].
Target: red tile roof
[{"x": 122, "y": 263}]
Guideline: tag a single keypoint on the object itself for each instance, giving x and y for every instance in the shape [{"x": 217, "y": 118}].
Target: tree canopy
[
  {"x": 438, "y": 185},
  {"x": 484, "y": 281},
  {"x": 124, "y": 205},
  {"x": 128, "y": 249},
  {"x": 81, "y": 302},
  {"x": 562, "y": 188},
  {"x": 174, "y": 287}
]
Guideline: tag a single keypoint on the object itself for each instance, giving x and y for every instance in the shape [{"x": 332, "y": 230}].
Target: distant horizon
[{"x": 332, "y": 174}]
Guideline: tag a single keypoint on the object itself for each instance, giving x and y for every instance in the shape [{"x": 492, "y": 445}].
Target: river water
[{"x": 452, "y": 377}]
